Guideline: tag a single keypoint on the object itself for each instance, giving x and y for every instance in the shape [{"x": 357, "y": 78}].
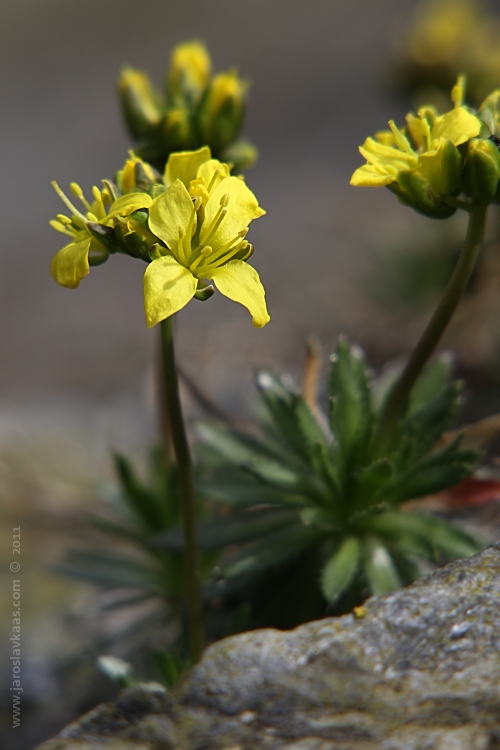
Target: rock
[{"x": 418, "y": 669}]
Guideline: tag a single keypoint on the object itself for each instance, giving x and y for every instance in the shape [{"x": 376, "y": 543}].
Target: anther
[
  {"x": 206, "y": 251},
  {"x": 76, "y": 189},
  {"x": 96, "y": 193},
  {"x": 224, "y": 200},
  {"x": 63, "y": 219}
]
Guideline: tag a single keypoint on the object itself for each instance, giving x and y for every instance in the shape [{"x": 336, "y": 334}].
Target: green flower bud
[
  {"x": 481, "y": 169},
  {"x": 442, "y": 167},
  {"x": 138, "y": 101},
  {"x": 242, "y": 154},
  {"x": 415, "y": 191},
  {"x": 222, "y": 110},
  {"x": 176, "y": 131}
]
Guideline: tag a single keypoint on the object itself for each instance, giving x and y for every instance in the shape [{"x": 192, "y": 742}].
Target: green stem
[
  {"x": 398, "y": 397},
  {"x": 187, "y": 490}
]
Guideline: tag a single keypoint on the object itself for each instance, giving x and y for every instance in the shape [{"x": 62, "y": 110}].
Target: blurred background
[{"x": 77, "y": 367}]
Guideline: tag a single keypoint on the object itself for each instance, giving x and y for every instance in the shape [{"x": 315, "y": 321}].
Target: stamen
[
  {"x": 401, "y": 141},
  {"x": 78, "y": 192},
  {"x": 97, "y": 196},
  {"x": 206, "y": 251},
  {"x": 59, "y": 227},
  {"x": 215, "y": 224},
  {"x": 427, "y": 133},
  {"x": 224, "y": 201},
  {"x": 220, "y": 259},
  {"x": 180, "y": 245},
  {"x": 92, "y": 217},
  {"x": 212, "y": 181},
  {"x": 66, "y": 200},
  {"x": 63, "y": 219}
]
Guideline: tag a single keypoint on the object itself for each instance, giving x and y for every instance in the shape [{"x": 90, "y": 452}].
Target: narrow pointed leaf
[{"x": 341, "y": 568}]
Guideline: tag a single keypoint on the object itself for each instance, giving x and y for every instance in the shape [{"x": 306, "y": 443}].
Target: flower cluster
[
  {"x": 195, "y": 109},
  {"x": 190, "y": 226},
  {"x": 444, "y": 38},
  {"x": 435, "y": 158}
]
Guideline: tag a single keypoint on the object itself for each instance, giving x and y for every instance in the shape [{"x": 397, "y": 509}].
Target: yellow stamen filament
[
  {"x": 401, "y": 141},
  {"x": 99, "y": 207},
  {"x": 427, "y": 133},
  {"x": 78, "y": 193},
  {"x": 66, "y": 200},
  {"x": 213, "y": 180},
  {"x": 215, "y": 223}
]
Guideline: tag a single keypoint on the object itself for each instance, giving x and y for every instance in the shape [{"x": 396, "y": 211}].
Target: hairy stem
[{"x": 186, "y": 481}]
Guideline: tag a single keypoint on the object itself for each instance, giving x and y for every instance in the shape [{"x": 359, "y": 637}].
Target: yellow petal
[
  {"x": 184, "y": 165},
  {"x": 127, "y": 204},
  {"x": 241, "y": 283},
  {"x": 71, "y": 264},
  {"x": 168, "y": 287},
  {"x": 368, "y": 176},
  {"x": 171, "y": 210},
  {"x": 458, "y": 126},
  {"x": 208, "y": 170},
  {"x": 240, "y": 211}
]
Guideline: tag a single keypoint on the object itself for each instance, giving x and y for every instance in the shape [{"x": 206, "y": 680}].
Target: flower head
[
  {"x": 189, "y": 226},
  {"x": 202, "y": 220},
  {"x": 422, "y": 163},
  {"x": 91, "y": 230}
]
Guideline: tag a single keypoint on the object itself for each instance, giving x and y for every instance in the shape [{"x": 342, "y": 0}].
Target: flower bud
[
  {"x": 176, "y": 131},
  {"x": 242, "y": 154},
  {"x": 481, "y": 169},
  {"x": 222, "y": 110},
  {"x": 139, "y": 104},
  {"x": 414, "y": 190},
  {"x": 442, "y": 166},
  {"x": 204, "y": 292},
  {"x": 189, "y": 73}
]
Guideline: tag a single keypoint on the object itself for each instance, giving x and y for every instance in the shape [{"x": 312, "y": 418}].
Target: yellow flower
[
  {"x": 71, "y": 264},
  {"x": 421, "y": 163},
  {"x": 202, "y": 219}
]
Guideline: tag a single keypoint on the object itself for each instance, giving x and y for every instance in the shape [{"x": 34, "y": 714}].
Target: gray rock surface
[{"x": 418, "y": 669}]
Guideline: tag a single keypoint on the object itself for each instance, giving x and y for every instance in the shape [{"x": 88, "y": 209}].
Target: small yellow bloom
[{"x": 202, "y": 219}]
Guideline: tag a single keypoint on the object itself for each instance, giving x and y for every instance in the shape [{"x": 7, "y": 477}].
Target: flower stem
[
  {"x": 186, "y": 481},
  {"x": 399, "y": 395}
]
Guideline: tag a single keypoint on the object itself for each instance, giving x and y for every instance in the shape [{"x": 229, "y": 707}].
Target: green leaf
[
  {"x": 380, "y": 570},
  {"x": 250, "y": 454},
  {"x": 426, "y": 425},
  {"x": 274, "y": 550},
  {"x": 139, "y": 498},
  {"x": 371, "y": 482},
  {"x": 109, "y": 571},
  {"x": 341, "y": 568},
  {"x": 431, "y": 383},
  {"x": 292, "y": 417},
  {"x": 351, "y": 411},
  {"x": 238, "y": 487},
  {"x": 236, "y": 530},
  {"x": 424, "y": 535}
]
